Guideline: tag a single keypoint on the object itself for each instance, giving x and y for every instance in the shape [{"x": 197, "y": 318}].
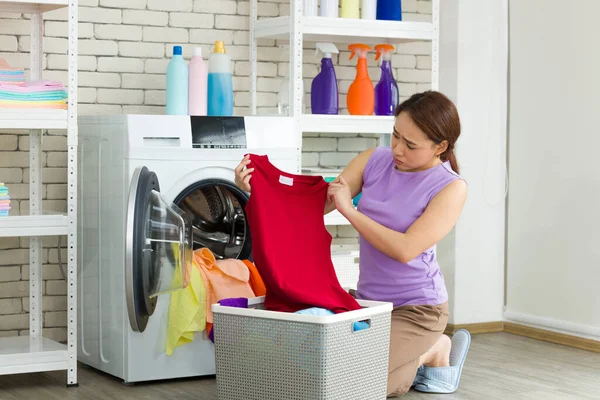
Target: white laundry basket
[{"x": 268, "y": 355}]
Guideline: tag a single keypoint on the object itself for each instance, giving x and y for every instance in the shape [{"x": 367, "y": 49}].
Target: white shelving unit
[
  {"x": 298, "y": 29},
  {"x": 35, "y": 353}
]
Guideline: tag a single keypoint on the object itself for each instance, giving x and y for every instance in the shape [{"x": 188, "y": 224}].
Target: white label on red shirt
[{"x": 286, "y": 181}]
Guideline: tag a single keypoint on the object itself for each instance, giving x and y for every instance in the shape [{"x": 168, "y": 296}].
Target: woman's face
[{"x": 412, "y": 149}]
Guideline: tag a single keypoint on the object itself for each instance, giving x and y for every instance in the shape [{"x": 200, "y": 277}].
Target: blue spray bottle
[
  {"x": 387, "y": 95},
  {"x": 324, "y": 90}
]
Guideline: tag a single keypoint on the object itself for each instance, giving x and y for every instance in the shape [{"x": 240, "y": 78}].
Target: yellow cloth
[
  {"x": 55, "y": 104},
  {"x": 187, "y": 312}
]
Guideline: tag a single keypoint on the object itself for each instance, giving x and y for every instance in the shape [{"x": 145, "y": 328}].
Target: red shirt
[{"x": 290, "y": 245}]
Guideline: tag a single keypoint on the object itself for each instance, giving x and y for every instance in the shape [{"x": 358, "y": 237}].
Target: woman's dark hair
[{"x": 437, "y": 117}]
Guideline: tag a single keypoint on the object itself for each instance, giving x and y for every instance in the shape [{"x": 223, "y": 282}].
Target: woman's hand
[
  {"x": 339, "y": 192},
  {"x": 243, "y": 174}
]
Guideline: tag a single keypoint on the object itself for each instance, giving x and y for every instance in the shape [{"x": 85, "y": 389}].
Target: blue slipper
[
  {"x": 446, "y": 379},
  {"x": 418, "y": 376}
]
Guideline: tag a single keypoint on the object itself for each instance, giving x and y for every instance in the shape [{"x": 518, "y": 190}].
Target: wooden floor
[{"x": 499, "y": 366}]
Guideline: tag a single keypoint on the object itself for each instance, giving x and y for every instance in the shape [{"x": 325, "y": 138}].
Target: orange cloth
[
  {"x": 223, "y": 279},
  {"x": 256, "y": 282}
]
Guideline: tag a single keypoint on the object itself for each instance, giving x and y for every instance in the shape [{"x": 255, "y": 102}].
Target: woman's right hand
[{"x": 243, "y": 174}]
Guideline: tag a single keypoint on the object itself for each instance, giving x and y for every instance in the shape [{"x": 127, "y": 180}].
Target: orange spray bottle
[{"x": 361, "y": 94}]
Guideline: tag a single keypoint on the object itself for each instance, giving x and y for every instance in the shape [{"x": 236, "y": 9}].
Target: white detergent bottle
[
  {"x": 369, "y": 9},
  {"x": 220, "y": 82},
  {"x": 329, "y": 8},
  {"x": 198, "y": 82}
]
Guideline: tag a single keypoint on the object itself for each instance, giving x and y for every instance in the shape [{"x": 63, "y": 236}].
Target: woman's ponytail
[{"x": 448, "y": 155}]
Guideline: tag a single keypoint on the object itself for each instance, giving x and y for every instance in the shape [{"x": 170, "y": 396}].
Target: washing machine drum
[{"x": 216, "y": 208}]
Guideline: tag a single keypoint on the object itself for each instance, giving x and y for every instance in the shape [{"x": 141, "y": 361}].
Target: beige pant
[{"x": 415, "y": 329}]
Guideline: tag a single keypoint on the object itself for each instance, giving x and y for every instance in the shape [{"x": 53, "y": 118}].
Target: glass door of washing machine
[
  {"x": 161, "y": 236},
  {"x": 158, "y": 247}
]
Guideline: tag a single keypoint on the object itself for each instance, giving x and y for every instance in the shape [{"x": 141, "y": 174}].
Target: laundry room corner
[{"x": 298, "y": 199}]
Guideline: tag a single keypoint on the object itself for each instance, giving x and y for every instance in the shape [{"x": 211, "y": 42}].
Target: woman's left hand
[{"x": 339, "y": 192}]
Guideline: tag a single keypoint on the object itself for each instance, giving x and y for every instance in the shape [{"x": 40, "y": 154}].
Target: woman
[{"x": 412, "y": 197}]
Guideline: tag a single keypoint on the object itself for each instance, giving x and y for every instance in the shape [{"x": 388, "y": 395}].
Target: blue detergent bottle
[
  {"x": 324, "y": 90},
  {"x": 177, "y": 84},
  {"x": 387, "y": 95},
  {"x": 389, "y": 10},
  {"x": 220, "y": 82}
]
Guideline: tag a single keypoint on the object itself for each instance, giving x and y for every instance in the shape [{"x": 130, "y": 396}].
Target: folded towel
[
  {"x": 34, "y": 87},
  {"x": 33, "y": 97},
  {"x": 33, "y": 100},
  {"x": 35, "y": 105}
]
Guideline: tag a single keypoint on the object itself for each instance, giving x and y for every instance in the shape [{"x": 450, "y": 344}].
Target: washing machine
[{"x": 151, "y": 189}]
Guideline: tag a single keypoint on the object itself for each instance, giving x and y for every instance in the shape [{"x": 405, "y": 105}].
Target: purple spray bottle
[
  {"x": 387, "y": 95},
  {"x": 324, "y": 90}
]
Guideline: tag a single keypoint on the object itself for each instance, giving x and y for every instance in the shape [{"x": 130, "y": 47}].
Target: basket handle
[{"x": 361, "y": 325}]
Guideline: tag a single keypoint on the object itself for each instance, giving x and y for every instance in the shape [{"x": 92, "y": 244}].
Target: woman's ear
[{"x": 441, "y": 148}]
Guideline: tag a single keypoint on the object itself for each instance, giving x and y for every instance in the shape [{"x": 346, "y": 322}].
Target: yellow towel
[{"x": 187, "y": 312}]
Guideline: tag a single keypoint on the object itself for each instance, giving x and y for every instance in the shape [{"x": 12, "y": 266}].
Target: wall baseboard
[
  {"x": 530, "y": 332},
  {"x": 553, "y": 325},
  {"x": 553, "y": 337},
  {"x": 484, "y": 327}
]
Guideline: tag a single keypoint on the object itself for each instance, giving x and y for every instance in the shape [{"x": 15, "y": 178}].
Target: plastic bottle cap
[
  {"x": 219, "y": 47},
  {"x": 197, "y": 52},
  {"x": 383, "y": 48},
  {"x": 359, "y": 48},
  {"x": 177, "y": 50}
]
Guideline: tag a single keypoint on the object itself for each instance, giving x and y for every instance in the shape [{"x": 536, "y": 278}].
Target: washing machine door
[{"x": 158, "y": 254}]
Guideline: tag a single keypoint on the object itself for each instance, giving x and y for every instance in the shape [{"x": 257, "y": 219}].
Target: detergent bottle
[
  {"x": 361, "y": 95},
  {"x": 220, "y": 82},
  {"x": 198, "y": 77},
  {"x": 387, "y": 95},
  {"x": 329, "y": 8},
  {"x": 368, "y": 9},
  {"x": 177, "y": 84},
  {"x": 350, "y": 9},
  {"x": 389, "y": 10},
  {"x": 324, "y": 89}
]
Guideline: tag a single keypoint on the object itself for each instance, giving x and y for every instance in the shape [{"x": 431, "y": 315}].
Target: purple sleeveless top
[{"x": 396, "y": 200}]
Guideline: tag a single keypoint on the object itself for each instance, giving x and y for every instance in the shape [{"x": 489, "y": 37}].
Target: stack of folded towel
[
  {"x": 10, "y": 75},
  {"x": 4, "y": 200},
  {"x": 37, "y": 94},
  {"x": 15, "y": 92}
]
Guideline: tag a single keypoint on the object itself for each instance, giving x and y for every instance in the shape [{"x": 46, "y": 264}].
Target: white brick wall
[{"x": 124, "y": 48}]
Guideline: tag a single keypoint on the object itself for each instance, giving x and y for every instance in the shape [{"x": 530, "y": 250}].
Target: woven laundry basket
[{"x": 268, "y": 355}]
